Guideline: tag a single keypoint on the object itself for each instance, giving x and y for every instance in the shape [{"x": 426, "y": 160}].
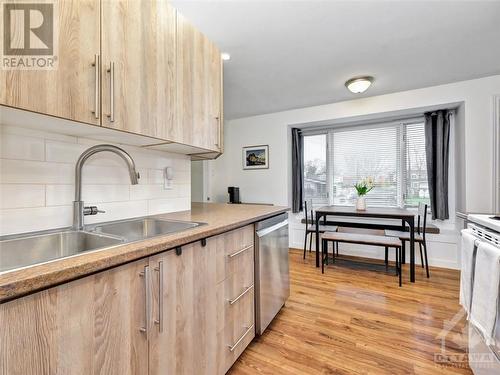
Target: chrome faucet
[{"x": 79, "y": 210}]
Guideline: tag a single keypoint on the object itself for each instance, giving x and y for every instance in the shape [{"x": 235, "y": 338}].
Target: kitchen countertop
[{"x": 219, "y": 218}]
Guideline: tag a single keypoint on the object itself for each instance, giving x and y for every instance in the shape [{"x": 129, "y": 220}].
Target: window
[
  {"x": 315, "y": 180},
  {"x": 416, "y": 165},
  {"x": 393, "y": 154},
  {"x": 362, "y": 153}
]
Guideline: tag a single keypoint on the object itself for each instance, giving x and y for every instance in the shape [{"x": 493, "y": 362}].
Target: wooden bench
[{"x": 363, "y": 239}]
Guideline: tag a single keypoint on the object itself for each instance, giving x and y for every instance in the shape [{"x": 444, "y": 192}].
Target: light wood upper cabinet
[
  {"x": 69, "y": 90},
  {"x": 130, "y": 65},
  {"x": 88, "y": 326},
  {"x": 199, "y": 88},
  {"x": 138, "y": 56}
]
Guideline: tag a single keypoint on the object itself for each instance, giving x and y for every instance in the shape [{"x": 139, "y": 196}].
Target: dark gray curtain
[
  {"x": 297, "y": 170},
  {"x": 437, "y": 138}
]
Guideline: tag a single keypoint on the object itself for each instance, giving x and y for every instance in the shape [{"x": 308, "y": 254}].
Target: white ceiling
[{"x": 292, "y": 54}]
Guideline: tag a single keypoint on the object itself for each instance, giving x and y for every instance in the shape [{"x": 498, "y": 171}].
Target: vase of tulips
[{"x": 362, "y": 188}]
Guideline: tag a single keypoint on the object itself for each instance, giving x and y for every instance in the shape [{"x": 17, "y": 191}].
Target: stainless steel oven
[{"x": 272, "y": 280}]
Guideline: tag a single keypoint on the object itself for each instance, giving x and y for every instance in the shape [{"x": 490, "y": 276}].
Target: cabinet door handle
[
  {"x": 111, "y": 72},
  {"x": 239, "y": 252},
  {"x": 232, "y": 347},
  {"x": 145, "y": 329},
  {"x": 97, "y": 67},
  {"x": 217, "y": 144},
  {"x": 159, "y": 321},
  {"x": 233, "y": 301}
]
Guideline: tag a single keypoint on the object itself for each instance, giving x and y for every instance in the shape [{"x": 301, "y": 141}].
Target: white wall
[
  {"x": 273, "y": 185},
  {"x": 37, "y": 181},
  {"x": 197, "y": 181}
]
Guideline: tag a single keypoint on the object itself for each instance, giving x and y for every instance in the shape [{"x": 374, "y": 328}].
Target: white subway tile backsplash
[
  {"x": 158, "y": 206},
  {"x": 21, "y": 147},
  {"x": 37, "y": 181},
  {"x": 105, "y": 175},
  {"x": 118, "y": 210},
  {"x": 106, "y": 193},
  {"x": 35, "y": 172},
  {"x": 34, "y": 219},
  {"x": 155, "y": 176},
  {"x": 21, "y": 196},
  {"x": 59, "y": 195},
  {"x": 150, "y": 192},
  {"x": 63, "y": 152}
]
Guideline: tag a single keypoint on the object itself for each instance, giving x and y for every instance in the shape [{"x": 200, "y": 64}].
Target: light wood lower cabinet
[
  {"x": 88, "y": 326},
  {"x": 187, "y": 313},
  {"x": 184, "y": 339}
]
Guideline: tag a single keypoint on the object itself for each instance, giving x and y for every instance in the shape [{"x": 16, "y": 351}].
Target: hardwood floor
[{"x": 352, "y": 320}]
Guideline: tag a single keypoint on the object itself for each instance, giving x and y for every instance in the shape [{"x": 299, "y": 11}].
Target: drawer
[
  {"x": 238, "y": 330},
  {"x": 239, "y": 239},
  {"x": 235, "y": 250},
  {"x": 231, "y": 294}
]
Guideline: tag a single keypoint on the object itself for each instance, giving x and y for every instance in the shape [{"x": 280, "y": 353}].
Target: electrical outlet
[{"x": 168, "y": 178}]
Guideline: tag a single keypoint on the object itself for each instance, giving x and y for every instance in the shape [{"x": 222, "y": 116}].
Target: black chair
[
  {"x": 419, "y": 236},
  {"x": 311, "y": 228}
]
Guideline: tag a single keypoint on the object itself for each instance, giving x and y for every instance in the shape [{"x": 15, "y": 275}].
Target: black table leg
[
  {"x": 411, "y": 223},
  {"x": 403, "y": 250},
  {"x": 318, "y": 217}
]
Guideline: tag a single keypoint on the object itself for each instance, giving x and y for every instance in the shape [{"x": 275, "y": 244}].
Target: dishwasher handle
[{"x": 272, "y": 228}]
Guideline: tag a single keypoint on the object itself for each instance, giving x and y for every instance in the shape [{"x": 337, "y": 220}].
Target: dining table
[{"x": 332, "y": 215}]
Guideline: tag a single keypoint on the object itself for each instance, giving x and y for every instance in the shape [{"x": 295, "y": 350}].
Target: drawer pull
[
  {"x": 233, "y": 301},
  {"x": 239, "y": 251},
  {"x": 232, "y": 347}
]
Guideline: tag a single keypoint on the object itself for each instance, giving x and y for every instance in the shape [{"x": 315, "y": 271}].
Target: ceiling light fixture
[
  {"x": 359, "y": 84},
  {"x": 225, "y": 56}
]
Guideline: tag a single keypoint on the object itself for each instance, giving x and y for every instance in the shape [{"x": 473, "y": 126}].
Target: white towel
[
  {"x": 467, "y": 273},
  {"x": 486, "y": 289}
]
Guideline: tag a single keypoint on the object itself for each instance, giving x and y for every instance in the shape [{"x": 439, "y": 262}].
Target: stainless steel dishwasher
[{"x": 272, "y": 280}]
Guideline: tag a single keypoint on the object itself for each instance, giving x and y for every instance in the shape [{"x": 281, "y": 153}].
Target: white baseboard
[{"x": 442, "y": 250}]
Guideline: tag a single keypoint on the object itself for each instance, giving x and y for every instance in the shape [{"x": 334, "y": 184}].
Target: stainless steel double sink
[{"x": 33, "y": 248}]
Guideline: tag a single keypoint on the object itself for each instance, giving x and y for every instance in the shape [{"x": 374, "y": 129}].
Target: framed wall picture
[{"x": 256, "y": 157}]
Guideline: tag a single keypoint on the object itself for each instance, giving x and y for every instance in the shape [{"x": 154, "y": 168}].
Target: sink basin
[
  {"x": 139, "y": 229},
  {"x": 26, "y": 251}
]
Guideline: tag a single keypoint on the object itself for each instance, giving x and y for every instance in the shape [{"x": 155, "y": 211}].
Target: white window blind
[
  {"x": 416, "y": 185},
  {"x": 392, "y": 153},
  {"x": 360, "y": 153},
  {"x": 315, "y": 174}
]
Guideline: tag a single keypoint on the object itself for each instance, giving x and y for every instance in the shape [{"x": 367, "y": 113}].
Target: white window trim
[{"x": 496, "y": 151}]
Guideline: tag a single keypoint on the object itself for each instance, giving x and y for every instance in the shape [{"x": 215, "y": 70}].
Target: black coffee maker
[{"x": 234, "y": 194}]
